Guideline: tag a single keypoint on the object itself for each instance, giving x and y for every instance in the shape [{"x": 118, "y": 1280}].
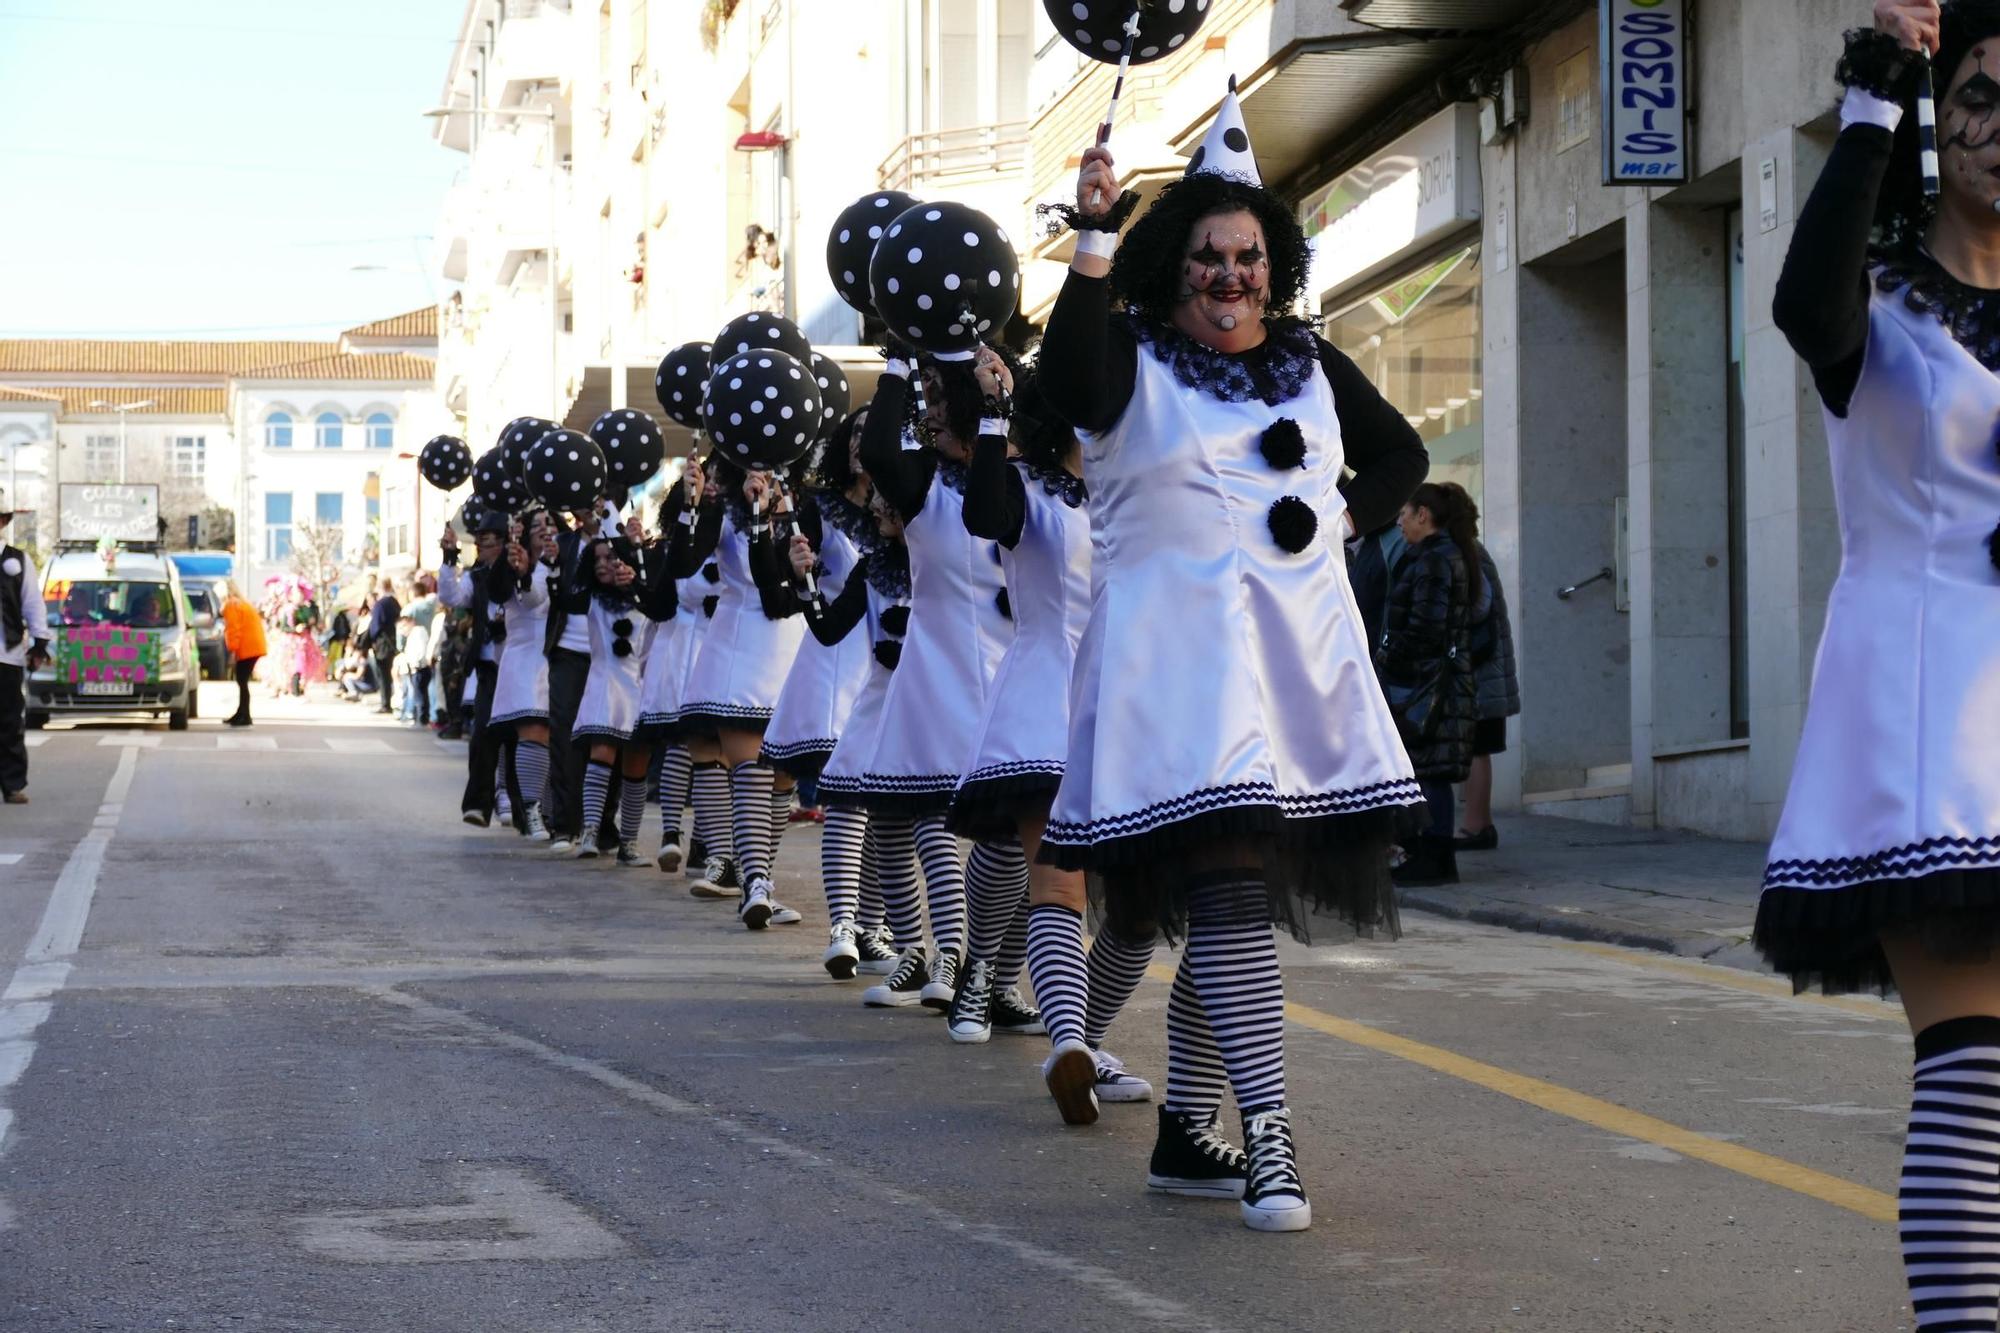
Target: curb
[{"x": 1565, "y": 925}]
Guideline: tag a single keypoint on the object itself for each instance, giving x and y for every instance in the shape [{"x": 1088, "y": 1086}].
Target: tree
[{"x": 316, "y": 552}]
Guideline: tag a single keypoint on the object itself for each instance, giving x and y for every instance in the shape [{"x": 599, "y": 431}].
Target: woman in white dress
[
  {"x": 521, "y": 694},
  {"x": 608, "y": 717},
  {"x": 1231, "y": 759},
  {"x": 1886, "y": 864}
]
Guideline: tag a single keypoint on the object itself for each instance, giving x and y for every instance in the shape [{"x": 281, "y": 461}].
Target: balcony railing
[{"x": 951, "y": 154}]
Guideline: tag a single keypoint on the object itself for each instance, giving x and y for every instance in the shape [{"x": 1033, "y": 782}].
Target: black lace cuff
[
  {"x": 1877, "y": 63},
  {"x": 997, "y": 407},
  {"x": 1057, "y": 218}
]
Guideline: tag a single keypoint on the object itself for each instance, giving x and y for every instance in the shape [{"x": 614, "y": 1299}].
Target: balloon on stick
[
  {"x": 762, "y": 410},
  {"x": 565, "y": 470},
  {"x": 632, "y": 444},
  {"x": 518, "y": 436},
  {"x": 851, "y": 243},
  {"x": 445, "y": 462},
  {"x": 1125, "y": 33},
  {"x": 681, "y": 380},
  {"x": 944, "y": 276},
  {"x": 761, "y": 331},
  {"x": 835, "y": 396}
]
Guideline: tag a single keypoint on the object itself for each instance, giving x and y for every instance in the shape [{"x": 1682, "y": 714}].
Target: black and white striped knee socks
[
  {"x": 996, "y": 891},
  {"x": 871, "y": 914},
  {"x": 896, "y": 872},
  {"x": 1195, "y": 1077},
  {"x": 944, "y": 883},
  {"x": 676, "y": 776},
  {"x": 750, "y": 793},
  {"x": 1232, "y": 959},
  {"x": 781, "y": 818},
  {"x": 1056, "y": 966},
  {"x": 531, "y": 770},
  {"x": 596, "y": 787},
  {"x": 840, "y": 855},
  {"x": 631, "y": 809},
  {"x": 1116, "y": 966},
  {"x": 1949, "y": 1203},
  {"x": 710, "y": 787}
]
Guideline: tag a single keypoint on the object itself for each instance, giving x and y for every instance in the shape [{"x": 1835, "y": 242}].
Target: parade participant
[
  {"x": 483, "y": 590},
  {"x": 745, "y": 655},
  {"x": 621, "y": 613},
  {"x": 1231, "y": 760},
  {"x": 879, "y": 603},
  {"x": 521, "y": 690},
  {"x": 24, "y": 620},
  {"x": 567, "y": 645},
  {"x": 837, "y": 532},
  {"x": 1033, "y": 507},
  {"x": 1886, "y": 864},
  {"x": 958, "y": 629},
  {"x": 675, "y": 642},
  {"x": 243, "y": 637}
]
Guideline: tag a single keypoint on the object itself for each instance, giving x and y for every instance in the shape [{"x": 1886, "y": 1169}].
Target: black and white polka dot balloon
[
  {"x": 762, "y": 410},
  {"x": 835, "y": 396},
  {"x": 566, "y": 470},
  {"x": 633, "y": 446},
  {"x": 680, "y": 380},
  {"x": 760, "y": 331},
  {"x": 1097, "y": 27},
  {"x": 851, "y": 243},
  {"x": 445, "y": 462},
  {"x": 944, "y": 277},
  {"x": 518, "y": 436},
  {"x": 495, "y": 484}
]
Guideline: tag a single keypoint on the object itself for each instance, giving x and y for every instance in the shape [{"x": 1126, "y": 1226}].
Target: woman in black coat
[{"x": 1425, "y": 664}]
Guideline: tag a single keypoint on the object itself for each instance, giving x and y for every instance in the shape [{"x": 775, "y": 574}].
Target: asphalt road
[{"x": 323, "y": 1058}]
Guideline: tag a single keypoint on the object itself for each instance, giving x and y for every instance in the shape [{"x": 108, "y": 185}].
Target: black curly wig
[
  {"x": 831, "y": 468},
  {"x": 1043, "y": 438},
  {"x": 1902, "y": 213},
  {"x": 1146, "y": 275},
  {"x": 964, "y": 405}
]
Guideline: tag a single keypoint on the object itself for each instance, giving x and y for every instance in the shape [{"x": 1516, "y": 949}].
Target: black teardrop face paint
[
  {"x": 1226, "y": 271},
  {"x": 1969, "y": 128}
]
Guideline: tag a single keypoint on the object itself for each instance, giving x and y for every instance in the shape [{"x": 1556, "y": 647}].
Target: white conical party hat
[{"x": 1226, "y": 149}]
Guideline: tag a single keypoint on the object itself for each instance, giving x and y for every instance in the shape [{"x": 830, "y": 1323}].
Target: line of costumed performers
[{"x": 1021, "y": 630}]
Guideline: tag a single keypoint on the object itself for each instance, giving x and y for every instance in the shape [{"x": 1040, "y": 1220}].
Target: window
[
  {"x": 187, "y": 457},
  {"x": 327, "y": 431},
  {"x": 278, "y": 431},
  {"x": 135, "y": 605},
  {"x": 381, "y": 431},
  {"x": 328, "y": 508},
  {"x": 277, "y": 526},
  {"x": 100, "y": 457}
]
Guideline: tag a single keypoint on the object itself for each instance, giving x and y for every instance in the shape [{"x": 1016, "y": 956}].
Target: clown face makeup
[
  {"x": 1969, "y": 133},
  {"x": 1225, "y": 276}
]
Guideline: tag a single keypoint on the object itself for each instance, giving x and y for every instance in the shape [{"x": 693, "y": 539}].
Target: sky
[{"x": 219, "y": 168}]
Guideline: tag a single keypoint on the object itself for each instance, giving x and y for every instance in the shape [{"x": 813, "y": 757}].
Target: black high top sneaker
[
  {"x": 1012, "y": 1014},
  {"x": 942, "y": 988},
  {"x": 697, "y": 857},
  {"x": 669, "y": 859},
  {"x": 902, "y": 987},
  {"x": 1191, "y": 1157},
  {"x": 970, "y": 1020},
  {"x": 719, "y": 879},
  {"x": 878, "y": 952},
  {"x": 1275, "y": 1198},
  {"x": 842, "y": 951}
]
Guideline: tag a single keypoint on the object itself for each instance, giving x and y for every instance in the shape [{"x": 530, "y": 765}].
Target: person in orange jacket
[{"x": 243, "y": 634}]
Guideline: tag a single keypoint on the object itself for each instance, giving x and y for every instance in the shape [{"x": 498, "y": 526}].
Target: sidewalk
[{"x": 1645, "y": 888}]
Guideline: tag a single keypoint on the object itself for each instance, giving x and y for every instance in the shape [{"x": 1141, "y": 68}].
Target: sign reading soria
[{"x": 1643, "y": 48}]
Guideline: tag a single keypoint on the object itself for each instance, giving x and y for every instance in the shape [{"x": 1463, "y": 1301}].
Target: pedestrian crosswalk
[{"x": 278, "y": 739}]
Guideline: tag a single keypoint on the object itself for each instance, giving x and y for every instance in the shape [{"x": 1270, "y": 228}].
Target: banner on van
[{"x": 106, "y": 653}]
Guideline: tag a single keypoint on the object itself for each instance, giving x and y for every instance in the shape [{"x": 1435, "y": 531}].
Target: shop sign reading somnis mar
[{"x": 1643, "y": 53}]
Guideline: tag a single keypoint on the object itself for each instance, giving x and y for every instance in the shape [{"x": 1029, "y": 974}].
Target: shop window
[
  {"x": 1418, "y": 340},
  {"x": 1739, "y": 490}
]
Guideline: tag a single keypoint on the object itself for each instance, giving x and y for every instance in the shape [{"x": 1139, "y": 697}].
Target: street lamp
[
  {"x": 121, "y": 409},
  {"x": 549, "y": 116}
]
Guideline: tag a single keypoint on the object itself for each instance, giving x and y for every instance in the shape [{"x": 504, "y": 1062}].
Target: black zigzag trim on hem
[
  {"x": 989, "y": 803},
  {"x": 1241, "y": 795},
  {"x": 1908, "y": 861},
  {"x": 793, "y": 749},
  {"x": 600, "y": 734}
]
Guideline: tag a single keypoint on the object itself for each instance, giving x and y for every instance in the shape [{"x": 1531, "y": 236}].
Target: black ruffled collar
[
  {"x": 1275, "y": 371},
  {"x": 1057, "y": 482},
  {"x": 886, "y": 566},
  {"x": 615, "y": 601},
  {"x": 951, "y": 473},
  {"x": 849, "y": 519},
  {"x": 1971, "y": 314}
]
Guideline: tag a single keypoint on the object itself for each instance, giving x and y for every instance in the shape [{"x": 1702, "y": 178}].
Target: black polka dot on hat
[{"x": 1238, "y": 141}]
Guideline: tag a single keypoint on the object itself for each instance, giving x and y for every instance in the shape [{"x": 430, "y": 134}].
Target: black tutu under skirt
[
  {"x": 990, "y": 809},
  {"x": 1831, "y": 939},
  {"x": 802, "y": 762},
  {"x": 1325, "y": 877},
  {"x": 708, "y": 719},
  {"x": 911, "y": 803}
]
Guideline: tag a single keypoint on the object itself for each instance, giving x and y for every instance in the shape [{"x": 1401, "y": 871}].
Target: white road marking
[
  {"x": 24, "y": 1004},
  {"x": 37, "y": 738},
  {"x": 508, "y": 1215},
  {"x": 341, "y": 745},
  {"x": 144, "y": 740},
  {"x": 10, "y": 858},
  {"x": 1103, "y": 1282},
  {"x": 246, "y": 743}
]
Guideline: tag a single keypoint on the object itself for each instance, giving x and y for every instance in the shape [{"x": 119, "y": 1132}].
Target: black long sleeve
[
  {"x": 771, "y": 563},
  {"x": 689, "y": 548},
  {"x": 996, "y": 499},
  {"x": 661, "y": 599},
  {"x": 1387, "y": 456},
  {"x": 830, "y": 622},
  {"x": 903, "y": 476},
  {"x": 1089, "y": 370},
  {"x": 1822, "y": 301}
]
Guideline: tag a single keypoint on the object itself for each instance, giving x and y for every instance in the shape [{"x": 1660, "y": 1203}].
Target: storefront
[{"x": 1396, "y": 278}]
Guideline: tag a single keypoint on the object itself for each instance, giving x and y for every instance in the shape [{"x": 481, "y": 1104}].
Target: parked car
[
  {"x": 120, "y": 639},
  {"x": 204, "y": 604}
]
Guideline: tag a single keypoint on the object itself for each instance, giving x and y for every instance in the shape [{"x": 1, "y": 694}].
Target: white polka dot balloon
[
  {"x": 1097, "y": 27},
  {"x": 633, "y": 446},
  {"x": 445, "y": 462},
  {"x": 680, "y": 382},
  {"x": 566, "y": 470},
  {"x": 851, "y": 243},
  {"x": 762, "y": 409},
  {"x": 835, "y": 397},
  {"x": 945, "y": 277},
  {"x": 495, "y": 486},
  {"x": 517, "y": 437},
  {"x": 761, "y": 331}
]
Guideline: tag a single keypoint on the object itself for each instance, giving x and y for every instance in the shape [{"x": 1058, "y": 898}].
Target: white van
[{"x": 119, "y": 637}]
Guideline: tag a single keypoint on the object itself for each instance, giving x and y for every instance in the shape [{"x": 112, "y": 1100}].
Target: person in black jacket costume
[
  {"x": 1425, "y": 662},
  {"x": 568, "y": 647}
]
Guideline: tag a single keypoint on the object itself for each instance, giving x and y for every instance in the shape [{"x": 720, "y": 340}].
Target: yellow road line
[
  {"x": 1711, "y": 975},
  {"x": 1609, "y": 1116}
]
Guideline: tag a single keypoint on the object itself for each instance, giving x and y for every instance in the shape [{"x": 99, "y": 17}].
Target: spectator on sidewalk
[
  {"x": 412, "y": 704},
  {"x": 339, "y": 632},
  {"x": 382, "y": 641},
  {"x": 1425, "y": 665},
  {"x": 243, "y": 636},
  {"x": 1498, "y": 695}
]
